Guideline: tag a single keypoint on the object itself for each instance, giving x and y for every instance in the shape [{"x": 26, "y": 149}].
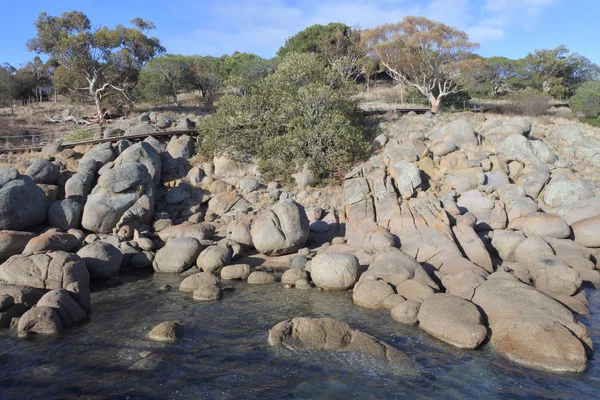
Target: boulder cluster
[{"x": 481, "y": 232}]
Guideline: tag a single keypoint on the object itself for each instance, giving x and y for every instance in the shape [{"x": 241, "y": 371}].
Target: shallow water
[{"x": 224, "y": 353}]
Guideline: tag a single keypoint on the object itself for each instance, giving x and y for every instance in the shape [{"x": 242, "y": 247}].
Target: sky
[{"x": 510, "y": 28}]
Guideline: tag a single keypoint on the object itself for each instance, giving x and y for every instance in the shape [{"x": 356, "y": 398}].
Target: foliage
[
  {"x": 587, "y": 100},
  {"x": 300, "y": 115},
  {"x": 557, "y": 71},
  {"x": 592, "y": 121},
  {"x": 105, "y": 59},
  {"x": 426, "y": 55},
  {"x": 81, "y": 134},
  {"x": 165, "y": 77},
  {"x": 311, "y": 39},
  {"x": 528, "y": 102}
]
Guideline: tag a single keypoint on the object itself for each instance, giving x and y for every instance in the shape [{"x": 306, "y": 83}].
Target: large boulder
[
  {"x": 459, "y": 131},
  {"x": 13, "y": 242},
  {"x": 530, "y": 328},
  {"x": 282, "y": 230},
  {"x": 372, "y": 293},
  {"x": 406, "y": 176},
  {"x": 40, "y": 320},
  {"x": 587, "y": 232},
  {"x": 43, "y": 171},
  {"x": 52, "y": 241},
  {"x": 396, "y": 267},
  {"x": 22, "y": 203},
  {"x": 562, "y": 193},
  {"x": 145, "y": 154},
  {"x": 69, "y": 311},
  {"x": 453, "y": 320},
  {"x": 124, "y": 196},
  {"x": 546, "y": 225},
  {"x": 54, "y": 270},
  {"x": 178, "y": 255},
  {"x": 335, "y": 271},
  {"x": 214, "y": 258},
  {"x": 96, "y": 157},
  {"x": 201, "y": 231},
  {"x": 79, "y": 185},
  {"x": 236, "y": 271},
  {"x": 330, "y": 334},
  {"x": 103, "y": 260},
  {"x": 65, "y": 214},
  {"x": 516, "y": 147},
  {"x": 181, "y": 147}
]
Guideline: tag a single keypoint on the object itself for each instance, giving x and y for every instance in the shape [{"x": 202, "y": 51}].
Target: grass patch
[
  {"x": 81, "y": 134},
  {"x": 592, "y": 121}
]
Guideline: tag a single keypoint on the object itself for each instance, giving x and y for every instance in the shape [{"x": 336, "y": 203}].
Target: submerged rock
[{"x": 330, "y": 334}]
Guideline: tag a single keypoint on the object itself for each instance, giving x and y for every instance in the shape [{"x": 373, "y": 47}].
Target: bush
[
  {"x": 593, "y": 121},
  {"x": 528, "y": 102},
  {"x": 302, "y": 114},
  {"x": 587, "y": 100},
  {"x": 81, "y": 134}
]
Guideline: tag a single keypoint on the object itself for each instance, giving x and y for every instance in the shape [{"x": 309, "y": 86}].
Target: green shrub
[
  {"x": 81, "y": 134},
  {"x": 302, "y": 114},
  {"x": 592, "y": 121},
  {"x": 587, "y": 100}
]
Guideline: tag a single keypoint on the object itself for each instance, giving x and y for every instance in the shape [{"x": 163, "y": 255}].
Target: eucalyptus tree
[{"x": 106, "y": 60}]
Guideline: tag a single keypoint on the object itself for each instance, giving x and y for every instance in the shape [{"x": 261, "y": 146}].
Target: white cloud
[{"x": 263, "y": 26}]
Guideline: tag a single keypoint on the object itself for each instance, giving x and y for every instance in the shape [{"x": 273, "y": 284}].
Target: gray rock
[
  {"x": 516, "y": 147},
  {"x": 123, "y": 177},
  {"x": 182, "y": 146},
  {"x": 13, "y": 242},
  {"x": 453, "y": 320},
  {"x": 7, "y": 175},
  {"x": 178, "y": 255},
  {"x": 195, "y": 281},
  {"x": 335, "y": 271},
  {"x": 22, "y": 204},
  {"x": 39, "y": 320},
  {"x": 103, "y": 260},
  {"x": 54, "y": 270},
  {"x": 282, "y": 230},
  {"x": 236, "y": 271},
  {"x": 459, "y": 131},
  {"x": 51, "y": 241},
  {"x": 96, "y": 157},
  {"x": 572, "y": 135},
  {"x": 168, "y": 331},
  {"x": 371, "y": 293},
  {"x": 561, "y": 193},
  {"x": 214, "y": 258},
  {"x": 530, "y": 328},
  {"x": 43, "y": 171},
  {"x": 69, "y": 311},
  {"x": 330, "y": 334},
  {"x": 546, "y": 225},
  {"x": 65, "y": 214},
  {"x": 79, "y": 185},
  {"x": 261, "y": 278},
  {"x": 292, "y": 275},
  {"x": 406, "y": 176},
  {"x": 406, "y": 312},
  {"x": 145, "y": 154}
]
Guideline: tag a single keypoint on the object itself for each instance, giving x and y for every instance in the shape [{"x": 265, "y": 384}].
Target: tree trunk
[{"x": 435, "y": 103}]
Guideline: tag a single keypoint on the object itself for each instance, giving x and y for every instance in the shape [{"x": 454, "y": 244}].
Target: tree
[
  {"x": 557, "y": 72},
  {"x": 302, "y": 114},
  {"x": 587, "y": 99},
  {"x": 108, "y": 60},
  {"x": 165, "y": 77},
  {"x": 206, "y": 75},
  {"x": 312, "y": 39},
  {"x": 7, "y": 85},
  {"x": 426, "y": 55}
]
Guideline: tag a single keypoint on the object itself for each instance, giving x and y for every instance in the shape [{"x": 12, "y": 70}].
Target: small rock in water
[
  {"x": 303, "y": 284},
  {"x": 165, "y": 288},
  {"x": 168, "y": 331}
]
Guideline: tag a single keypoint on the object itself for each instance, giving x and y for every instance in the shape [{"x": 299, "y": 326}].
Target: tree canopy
[
  {"x": 426, "y": 55},
  {"x": 107, "y": 60}
]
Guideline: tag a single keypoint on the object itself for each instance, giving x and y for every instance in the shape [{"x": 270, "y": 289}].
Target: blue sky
[{"x": 510, "y": 28}]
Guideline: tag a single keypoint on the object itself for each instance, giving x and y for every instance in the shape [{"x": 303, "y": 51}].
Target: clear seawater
[{"x": 224, "y": 353}]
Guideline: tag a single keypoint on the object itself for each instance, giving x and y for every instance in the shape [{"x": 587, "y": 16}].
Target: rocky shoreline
[{"x": 481, "y": 232}]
